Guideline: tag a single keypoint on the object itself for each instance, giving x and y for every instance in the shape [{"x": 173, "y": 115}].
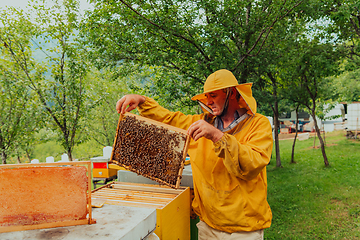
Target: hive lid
[{"x": 100, "y": 159}]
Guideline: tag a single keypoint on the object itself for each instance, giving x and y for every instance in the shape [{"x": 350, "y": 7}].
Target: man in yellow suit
[{"x": 230, "y": 148}]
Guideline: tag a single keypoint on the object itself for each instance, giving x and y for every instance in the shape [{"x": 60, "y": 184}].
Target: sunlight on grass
[
  {"x": 83, "y": 151},
  {"x": 311, "y": 201}
]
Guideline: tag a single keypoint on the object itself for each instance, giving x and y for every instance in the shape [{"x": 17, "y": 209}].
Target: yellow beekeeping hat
[{"x": 223, "y": 79}]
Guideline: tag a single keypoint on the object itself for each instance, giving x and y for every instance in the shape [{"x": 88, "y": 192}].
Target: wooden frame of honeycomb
[
  {"x": 150, "y": 148},
  {"x": 45, "y": 195}
]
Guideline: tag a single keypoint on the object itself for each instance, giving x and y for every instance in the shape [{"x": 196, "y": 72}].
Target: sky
[{"x": 84, "y": 5}]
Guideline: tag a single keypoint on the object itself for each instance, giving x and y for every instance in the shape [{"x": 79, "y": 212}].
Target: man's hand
[
  {"x": 203, "y": 129},
  {"x": 129, "y": 102}
]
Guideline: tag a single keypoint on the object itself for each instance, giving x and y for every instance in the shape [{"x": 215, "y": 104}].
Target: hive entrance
[{"x": 151, "y": 149}]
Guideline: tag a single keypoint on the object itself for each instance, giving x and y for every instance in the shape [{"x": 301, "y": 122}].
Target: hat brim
[{"x": 202, "y": 96}]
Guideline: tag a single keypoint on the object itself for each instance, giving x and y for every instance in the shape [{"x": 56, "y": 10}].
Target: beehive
[
  {"x": 150, "y": 148},
  {"x": 172, "y": 205},
  {"x": 37, "y": 196}
]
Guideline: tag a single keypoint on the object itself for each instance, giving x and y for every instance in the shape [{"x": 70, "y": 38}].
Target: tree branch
[
  {"x": 267, "y": 29},
  {"x": 166, "y": 30}
]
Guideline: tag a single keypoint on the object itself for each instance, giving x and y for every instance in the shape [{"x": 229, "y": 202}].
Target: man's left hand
[{"x": 203, "y": 129}]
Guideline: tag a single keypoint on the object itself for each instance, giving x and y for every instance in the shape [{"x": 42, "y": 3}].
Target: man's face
[{"x": 215, "y": 100}]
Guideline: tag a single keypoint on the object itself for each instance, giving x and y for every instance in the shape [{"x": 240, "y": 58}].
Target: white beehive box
[{"x": 353, "y": 116}]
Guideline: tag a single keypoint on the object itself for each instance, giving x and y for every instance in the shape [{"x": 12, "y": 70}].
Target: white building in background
[
  {"x": 271, "y": 121},
  {"x": 330, "y": 124},
  {"x": 341, "y": 117},
  {"x": 353, "y": 116},
  {"x": 306, "y": 121}
]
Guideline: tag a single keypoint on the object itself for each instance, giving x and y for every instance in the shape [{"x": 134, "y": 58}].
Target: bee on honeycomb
[{"x": 150, "y": 150}]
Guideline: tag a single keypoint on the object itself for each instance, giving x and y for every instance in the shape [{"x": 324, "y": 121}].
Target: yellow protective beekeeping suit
[{"x": 229, "y": 176}]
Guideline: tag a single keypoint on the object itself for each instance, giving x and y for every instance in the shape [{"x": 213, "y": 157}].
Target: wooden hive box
[
  {"x": 172, "y": 205},
  {"x": 102, "y": 169},
  {"x": 150, "y": 148},
  {"x": 45, "y": 195}
]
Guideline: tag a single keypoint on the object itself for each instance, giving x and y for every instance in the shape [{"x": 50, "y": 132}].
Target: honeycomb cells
[
  {"x": 37, "y": 195},
  {"x": 149, "y": 150}
]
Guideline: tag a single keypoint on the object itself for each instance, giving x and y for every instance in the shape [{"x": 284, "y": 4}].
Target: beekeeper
[{"x": 230, "y": 148}]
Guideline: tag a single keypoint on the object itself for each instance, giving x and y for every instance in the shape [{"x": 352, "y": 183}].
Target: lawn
[
  {"x": 311, "y": 201},
  {"x": 82, "y": 152}
]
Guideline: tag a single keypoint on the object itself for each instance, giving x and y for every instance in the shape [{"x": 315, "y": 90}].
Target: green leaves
[
  {"x": 58, "y": 78},
  {"x": 17, "y": 112},
  {"x": 190, "y": 39}
]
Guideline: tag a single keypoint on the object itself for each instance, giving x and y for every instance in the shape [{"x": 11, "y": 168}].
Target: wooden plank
[
  {"x": 133, "y": 195},
  {"x": 24, "y": 165},
  {"x": 97, "y": 202},
  {"x": 134, "y": 204},
  {"x": 156, "y": 122},
  {"x": 182, "y": 163},
  {"x": 43, "y": 225},
  {"x": 89, "y": 205},
  {"x": 104, "y": 186},
  {"x": 133, "y": 198},
  {"x": 147, "y": 187},
  {"x": 140, "y": 187},
  {"x": 137, "y": 193},
  {"x": 140, "y": 195}
]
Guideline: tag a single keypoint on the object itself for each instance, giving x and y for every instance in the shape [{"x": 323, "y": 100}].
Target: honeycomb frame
[
  {"x": 150, "y": 148},
  {"x": 52, "y": 224}
]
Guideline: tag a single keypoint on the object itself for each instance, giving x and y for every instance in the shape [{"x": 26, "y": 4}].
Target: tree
[
  {"x": 345, "y": 24},
  {"x": 17, "y": 113},
  {"x": 317, "y": 61},
  {"x": 272, "y": 73},
  {"x": 280, "y": 64},
  {"x": 102, "y": 122},
  {"x": 59, "y": 80},
  {"x": 110, "y": 84},
  {"x": 295, "y": 96},
  {"x": 348, "y": 86},
  {"x": 188, "y": 39},
  {"x": 269, "y": 85}
]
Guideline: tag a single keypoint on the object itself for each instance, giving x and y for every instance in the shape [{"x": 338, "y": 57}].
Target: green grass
[
  {"x": 311, "y": 201},
  {"x": 83, "y": 151}
]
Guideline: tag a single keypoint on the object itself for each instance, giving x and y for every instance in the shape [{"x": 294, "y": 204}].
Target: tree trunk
[
  {"x": 28, "y": 154},
  {"x": 323, "y": 128},
  {"x": 296, "y": 133},
  {"x": 275, "y": 109},
  {"x": 69, "y": 155},
  {"x": 276, "y": 134},
  {"x": 276, "y": 129},
  {"x": 318, "y": 133},
  {"x": 18, "y": 159},
  {"x": 3, "y": 157},
  {"x": 18, "y": 156}
]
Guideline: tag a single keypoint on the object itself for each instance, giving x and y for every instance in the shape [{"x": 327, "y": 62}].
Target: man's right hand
[{"x": 129, "y": 102}]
